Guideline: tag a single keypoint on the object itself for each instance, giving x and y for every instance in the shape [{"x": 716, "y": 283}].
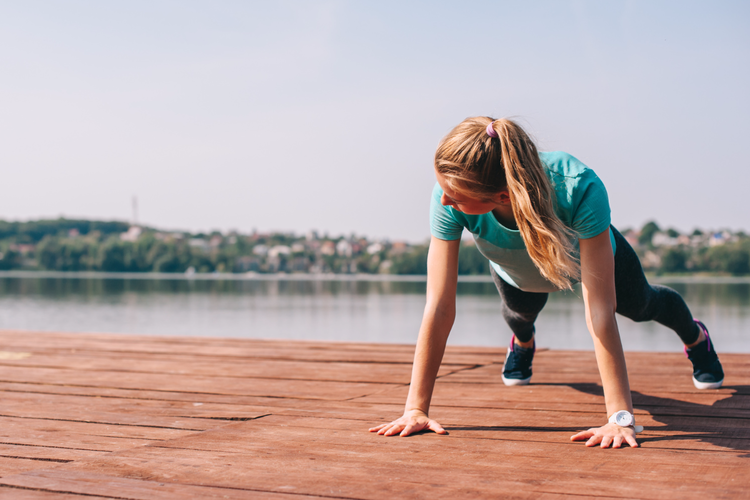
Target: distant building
[
  {"x": 717, "y": 239},
  {"x": 632, "y": 238},
  {"x": 344, "y": 248},
  {"x": 199, "y": 244},
  {"x": 651, "y": 260},
  {"x": 328, "y": 248},
  {"x": 398, "y": 247},
  {"x": 132, "y": 234},
  {"x": 246, "y": 264},
  {"x": 663, "y": 240},
  {"x": 277, "y": 250}
]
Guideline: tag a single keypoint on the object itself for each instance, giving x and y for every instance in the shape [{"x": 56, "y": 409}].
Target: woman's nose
[{"x": 445, "y": 201}]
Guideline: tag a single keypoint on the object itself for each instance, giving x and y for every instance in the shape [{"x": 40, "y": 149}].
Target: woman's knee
[{"x": 638, "y": 306}]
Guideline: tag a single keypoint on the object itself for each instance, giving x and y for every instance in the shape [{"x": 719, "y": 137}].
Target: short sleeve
[
  {"x": 442, "y": 224},
  {"x": 592, "y": 215}
]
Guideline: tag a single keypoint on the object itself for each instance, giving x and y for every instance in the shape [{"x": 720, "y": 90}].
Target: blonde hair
[{"x": 481, "y": 166}]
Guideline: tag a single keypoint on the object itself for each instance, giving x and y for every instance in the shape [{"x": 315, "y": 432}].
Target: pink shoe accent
[{"x": 705, "y": 331}]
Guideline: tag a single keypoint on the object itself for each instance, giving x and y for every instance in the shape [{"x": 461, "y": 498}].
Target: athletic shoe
[
  {"x": 707, "y": 372},
  {"x": 517, "y": 367}
]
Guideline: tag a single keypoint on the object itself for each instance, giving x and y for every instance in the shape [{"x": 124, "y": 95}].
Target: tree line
[{"x": 116, "y": 246}]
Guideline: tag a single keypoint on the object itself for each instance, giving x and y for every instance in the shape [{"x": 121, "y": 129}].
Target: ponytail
[{"x": 481, "y": 165}]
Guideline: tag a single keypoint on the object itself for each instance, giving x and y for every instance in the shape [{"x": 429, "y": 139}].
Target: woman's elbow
[
  {"x": 601, "y": 318},
  {"x": 444, "y": 309}
]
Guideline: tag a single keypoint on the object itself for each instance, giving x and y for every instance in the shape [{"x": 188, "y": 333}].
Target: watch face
[{"x": 623, "y": 418}]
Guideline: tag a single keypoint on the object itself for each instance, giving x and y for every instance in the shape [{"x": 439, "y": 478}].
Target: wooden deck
[{"x": 130, "y": 417}]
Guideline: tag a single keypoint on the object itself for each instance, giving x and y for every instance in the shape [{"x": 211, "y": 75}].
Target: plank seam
[
  {"x": 289, "y": 398},
  {"x": 227, "y": 419},
  {"x": 395, "y": 384},
  {"x": 60, "y": 447},
  {"x": 28, "y": 488},
  {"x": 62, "y": 492},
  {"x": 41, "y": 459},
  {"x": 104, "y": 423}
]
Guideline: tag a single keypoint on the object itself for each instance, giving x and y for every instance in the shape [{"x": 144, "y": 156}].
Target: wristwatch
[{"x": 624, "y": 418}]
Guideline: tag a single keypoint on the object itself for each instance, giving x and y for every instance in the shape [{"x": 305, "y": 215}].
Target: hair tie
[{"x": 491, "y": 131}]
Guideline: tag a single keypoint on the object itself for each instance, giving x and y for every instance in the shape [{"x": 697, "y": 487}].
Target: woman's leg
[
  {"x": 639, "y": 301},
  {"x": 520, "y": 309}
]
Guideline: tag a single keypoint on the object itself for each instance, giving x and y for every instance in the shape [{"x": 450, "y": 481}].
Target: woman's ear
[{"x": 502, "y": 198}]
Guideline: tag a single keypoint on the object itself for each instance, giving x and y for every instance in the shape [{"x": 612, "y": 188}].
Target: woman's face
[{"x": 463, "y": 203}]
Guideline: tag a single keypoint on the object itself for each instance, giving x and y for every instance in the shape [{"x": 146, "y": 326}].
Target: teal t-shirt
[{"x": 582, "y": 205}]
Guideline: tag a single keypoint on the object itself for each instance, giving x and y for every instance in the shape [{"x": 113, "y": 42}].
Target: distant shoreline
[{"x": 317, "y": 277}]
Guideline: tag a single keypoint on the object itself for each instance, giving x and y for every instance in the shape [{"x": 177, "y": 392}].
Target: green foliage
[
  {"x": 66, "y": 254},
  {"x": 674, "y": 260},
  {"x": 36, "y": 231},
  {"x": 730, "y": 258},
  {"x": 10, "y": 260},
  {"x": 647, "y": 233},
  {"x": 413, "y": 261},
  {"x": 471, "y": 261}
]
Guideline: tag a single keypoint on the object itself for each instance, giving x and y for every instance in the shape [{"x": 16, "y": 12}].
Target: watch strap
[{"x": 613, "y": 420}]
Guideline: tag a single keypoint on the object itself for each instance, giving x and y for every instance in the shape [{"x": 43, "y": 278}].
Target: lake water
[{"x": 347, "y": 310}]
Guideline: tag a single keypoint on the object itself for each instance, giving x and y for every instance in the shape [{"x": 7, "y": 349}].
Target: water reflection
[{"x": 370, "y": 311}]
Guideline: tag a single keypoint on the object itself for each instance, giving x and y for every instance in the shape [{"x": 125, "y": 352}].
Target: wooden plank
[
  {"x": 16, "y": 493},
  {"x": 50, "y": 338},
  {"x": 724, "y": 402},
  {"x": 240, "y": 348},
  {"x": 160, "y": 414},
  {"x": 45, "y": 453},
  {"x": 11, "y": 465},
  {"x": 395, "y": 373},
  {"x": 61, "y": 432},
  {"x": 197, "y": 384},
  {"x": 79, "y": 485}
]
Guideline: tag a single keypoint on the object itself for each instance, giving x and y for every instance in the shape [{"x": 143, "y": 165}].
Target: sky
[{"x": 300, "y": 115}]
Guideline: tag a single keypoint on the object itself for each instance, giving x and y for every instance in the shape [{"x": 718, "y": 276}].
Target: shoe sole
[
  {"x": 707, "y": 385},
  {"x": 514, "y": 381}
]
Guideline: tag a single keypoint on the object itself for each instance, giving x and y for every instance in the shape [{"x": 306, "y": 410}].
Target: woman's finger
[
  {"x": 631, "y": 441},
  {"x": 436, "y": 427},
  {"x": 377, "y": 428},
  {"x": 385, "y": 429},
  {"x": 395, "y": 429},
  {"x": 594, "y": 440},
  {"x": 408, "y": 429},
  {"x": 582, "y": 435},
  {"x": 618, "y": 442},
  {"x": 606, "y": 441}
]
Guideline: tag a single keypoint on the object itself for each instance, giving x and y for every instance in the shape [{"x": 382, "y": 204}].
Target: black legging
[{"x": 636, "y": 299}]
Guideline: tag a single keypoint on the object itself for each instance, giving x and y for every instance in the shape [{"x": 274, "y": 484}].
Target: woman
[{"x": 543, "y": 221}]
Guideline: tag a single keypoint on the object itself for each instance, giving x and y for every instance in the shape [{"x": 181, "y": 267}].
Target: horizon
[{"x": 328, "y": 235}]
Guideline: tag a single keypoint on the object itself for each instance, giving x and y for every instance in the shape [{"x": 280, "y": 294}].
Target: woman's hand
[
  {"x": 412, "y": 421},
  {"x": 610, "y": 434}
]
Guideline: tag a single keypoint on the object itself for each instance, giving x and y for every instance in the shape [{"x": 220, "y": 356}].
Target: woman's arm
[
  {"x": 598, "y": 280},
  {"x": 437, "y": 321}
]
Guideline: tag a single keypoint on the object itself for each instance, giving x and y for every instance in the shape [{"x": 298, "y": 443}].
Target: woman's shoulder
[{"x": 565, "y": 164}]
